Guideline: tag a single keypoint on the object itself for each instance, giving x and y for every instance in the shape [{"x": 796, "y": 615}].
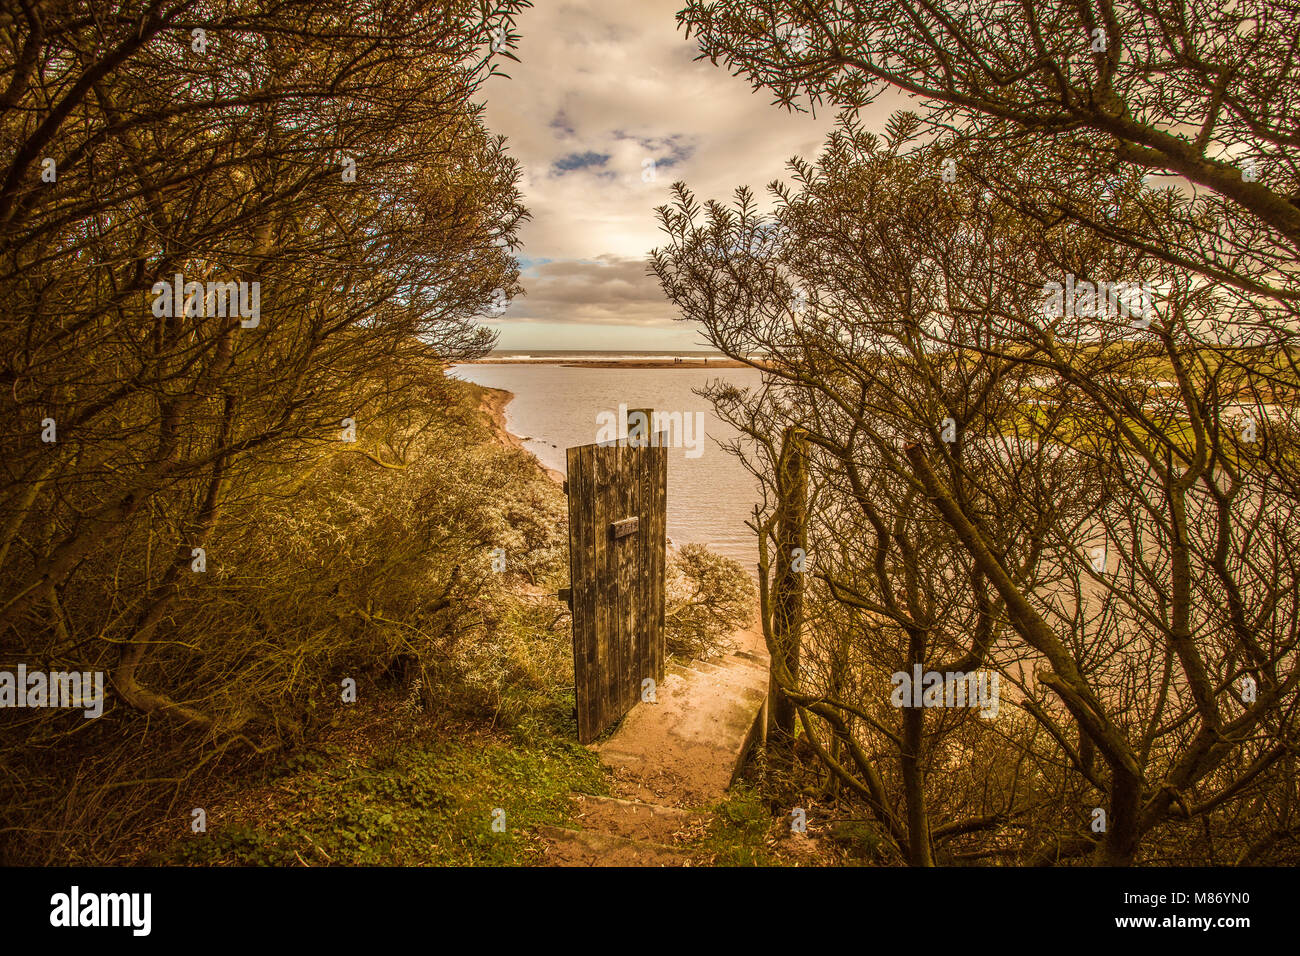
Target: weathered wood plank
[
  {"x": 636, "y": 633},
  {"x": 607, "y": 603},
  {"x": 581, "y": 581},
  {"x": 656, "y": 543}
]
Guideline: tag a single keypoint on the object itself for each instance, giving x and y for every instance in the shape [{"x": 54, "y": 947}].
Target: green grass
[
  {"x": 737, "y": 835},
  {"x": 429, "y": 803}
]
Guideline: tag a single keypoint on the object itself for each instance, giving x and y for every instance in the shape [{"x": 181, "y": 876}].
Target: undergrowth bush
[
  {"x": 374, "y": 564},
  {"x": 708, "y": 598}
]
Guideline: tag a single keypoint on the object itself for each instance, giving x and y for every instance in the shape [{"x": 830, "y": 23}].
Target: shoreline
[
  {"x": 615, "y": 363},
  {"x": 493, "y": 402}
]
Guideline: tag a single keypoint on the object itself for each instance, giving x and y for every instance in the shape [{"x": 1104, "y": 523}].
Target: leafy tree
[
  {"x": 970, "y": 452},
  {"x": 334, "y": 163}
]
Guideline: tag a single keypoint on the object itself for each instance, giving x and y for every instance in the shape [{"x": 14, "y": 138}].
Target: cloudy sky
[{"x": 602, "y": 88}]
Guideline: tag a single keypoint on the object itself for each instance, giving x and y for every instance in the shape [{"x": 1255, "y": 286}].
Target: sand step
[
  {"x": 635, "y": 820},
  {"x": 685, "y": 749},
  {"x": 714, "y": 664},
  {"x": 589, "y": 848},
  {"x": 746, "y": 659}
]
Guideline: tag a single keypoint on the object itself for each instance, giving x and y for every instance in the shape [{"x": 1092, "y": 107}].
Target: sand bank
[{"x": 493, "y": 403}]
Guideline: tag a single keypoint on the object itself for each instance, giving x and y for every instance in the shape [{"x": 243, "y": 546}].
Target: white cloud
[{"x": 619, "y": 80}]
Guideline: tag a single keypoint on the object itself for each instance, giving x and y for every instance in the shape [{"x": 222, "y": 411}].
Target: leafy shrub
[
  {"x": 373, "y": 562},
  {"x": 708, "y": 597}
]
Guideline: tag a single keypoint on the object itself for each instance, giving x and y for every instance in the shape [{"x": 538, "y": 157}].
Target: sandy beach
[{"x": 493, "y": 403}]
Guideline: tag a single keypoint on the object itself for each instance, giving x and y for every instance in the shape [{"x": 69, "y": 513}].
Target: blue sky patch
[{"x": 567, "y": 164}]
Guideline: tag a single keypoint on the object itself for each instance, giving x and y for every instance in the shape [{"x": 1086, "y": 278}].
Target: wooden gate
[{"x": 618, "y": 497}]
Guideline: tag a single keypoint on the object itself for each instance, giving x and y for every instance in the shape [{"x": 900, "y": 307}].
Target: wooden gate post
[{"x": 788, "y": 587}]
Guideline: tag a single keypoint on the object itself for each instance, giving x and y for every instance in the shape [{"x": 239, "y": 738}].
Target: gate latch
[{"x": 623, "y": 527}]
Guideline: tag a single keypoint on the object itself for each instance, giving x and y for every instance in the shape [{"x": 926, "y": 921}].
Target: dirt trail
[{"x": 670, "y": 759}]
